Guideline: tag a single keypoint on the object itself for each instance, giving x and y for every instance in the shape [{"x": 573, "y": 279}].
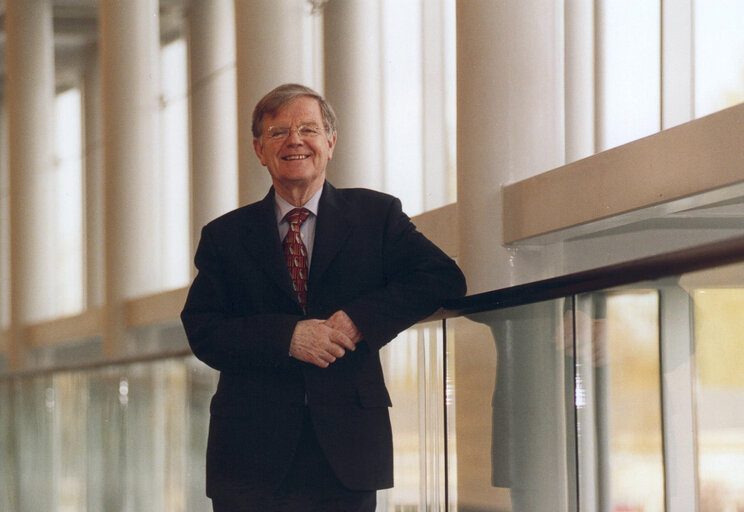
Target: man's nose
[{"x": 294, "y": 136}]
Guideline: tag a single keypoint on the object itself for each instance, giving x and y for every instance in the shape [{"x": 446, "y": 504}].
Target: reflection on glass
[
  {"x": 719, "y": 347},
  {"x": 514, "y": 410}
]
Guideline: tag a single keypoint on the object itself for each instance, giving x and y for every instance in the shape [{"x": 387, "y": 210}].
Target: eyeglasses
[{"x": 304, "y": 131}]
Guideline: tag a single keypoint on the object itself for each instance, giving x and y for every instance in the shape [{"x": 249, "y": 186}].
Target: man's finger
[
  {"x": 335, "y": 351},
  {"x": 341, "y": 339}
]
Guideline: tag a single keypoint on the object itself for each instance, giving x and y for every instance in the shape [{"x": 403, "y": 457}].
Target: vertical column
[
  {"x": 129, "y": 55},
  {"x": 94, "y": 182},
  {"x": 510, "y": 126},
  {"x": 214, "y": 147},
  {"x": 353, "y": 85},
  {"x": 509, "y": 123},
  {"x": 4, "y": 228},
  {"x": 29, "y": 100},
  {"x": 270, "y": 51}
]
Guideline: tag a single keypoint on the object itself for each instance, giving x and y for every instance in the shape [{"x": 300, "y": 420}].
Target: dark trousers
[{"x": 310, "y": 486}]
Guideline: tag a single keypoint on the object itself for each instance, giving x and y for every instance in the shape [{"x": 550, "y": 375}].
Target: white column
[
  {"x": 129, "y": 55},
  {"x": 353, "y": 86},
  {"x": 30, "y": 102},
  {"x": 214, "y": 146},
  {"x": 509, "y": 124},
  {"x": 270, "y": 51}
]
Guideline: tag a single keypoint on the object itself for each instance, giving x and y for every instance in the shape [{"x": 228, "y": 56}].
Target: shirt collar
[{"x": 282, "y": 207}]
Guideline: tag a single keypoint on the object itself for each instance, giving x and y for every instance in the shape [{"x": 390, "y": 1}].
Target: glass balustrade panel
[
  {"x": 512, "y": 399},
  {"x": 618, "y": 402},
  {"x": 719, "y": 386}
]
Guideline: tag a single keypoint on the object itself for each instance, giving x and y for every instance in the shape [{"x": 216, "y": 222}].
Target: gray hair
[{"x": 281, "y": 97}]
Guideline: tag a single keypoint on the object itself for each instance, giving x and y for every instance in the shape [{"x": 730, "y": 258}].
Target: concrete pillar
[
  {"x": 214, "y": 149},
  {"x": 509, "y": 124},
  {"x": 129, "y": 48},
  {"x": 353, "y": 85},
  {"x": 29, "y": 101},
  {"x": 270, "y": 51}
]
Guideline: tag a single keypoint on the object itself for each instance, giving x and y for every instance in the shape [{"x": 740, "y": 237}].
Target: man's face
[{"x": 296, "y": 159}]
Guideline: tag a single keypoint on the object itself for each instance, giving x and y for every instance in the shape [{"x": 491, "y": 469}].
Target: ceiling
[{"x": 75, "y": 25}]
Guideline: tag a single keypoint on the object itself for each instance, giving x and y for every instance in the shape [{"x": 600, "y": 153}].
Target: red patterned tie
[{"x": 296, "y": 254}]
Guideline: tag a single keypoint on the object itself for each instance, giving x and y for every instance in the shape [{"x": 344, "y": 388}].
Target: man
[{"x": 300, "y": 417}]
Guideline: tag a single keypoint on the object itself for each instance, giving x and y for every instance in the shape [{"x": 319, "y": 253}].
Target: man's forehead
[{"x": 302, "y": 107}]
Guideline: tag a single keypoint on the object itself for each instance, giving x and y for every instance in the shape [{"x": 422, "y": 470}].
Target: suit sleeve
[
  {"x": 218, "y": 335},
  {"x": 419, "y": 278}
]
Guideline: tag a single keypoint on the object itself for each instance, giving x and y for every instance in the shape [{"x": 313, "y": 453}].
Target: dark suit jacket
[{"x": 368, "y": 260}]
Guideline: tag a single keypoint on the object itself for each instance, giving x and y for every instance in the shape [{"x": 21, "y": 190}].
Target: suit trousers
[{"x": 310, "y": 486}]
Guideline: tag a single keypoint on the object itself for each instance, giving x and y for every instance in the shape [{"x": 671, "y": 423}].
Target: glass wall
[
  {"x": 621, "y": 400},
  {"x": 127, "y": 437},
  {"x": 719, "y": 390},
  {"x": 627, "y": 399},
  {"x": 413, "y": 366}
]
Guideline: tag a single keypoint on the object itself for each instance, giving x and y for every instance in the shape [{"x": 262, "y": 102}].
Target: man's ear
[
  {"x": 331, "y": 145},
  {"x": 258, "y": 148}
]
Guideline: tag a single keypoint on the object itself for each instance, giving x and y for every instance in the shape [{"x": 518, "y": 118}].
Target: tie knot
[{"x": 297, "y": 216}]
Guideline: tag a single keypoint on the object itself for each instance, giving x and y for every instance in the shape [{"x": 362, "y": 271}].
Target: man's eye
[
  {"x": 279, "y": 133},
  {"x": 309, "y": 131}
]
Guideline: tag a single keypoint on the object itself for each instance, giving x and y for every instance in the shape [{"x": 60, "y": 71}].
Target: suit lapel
[
  {"x": 263, "y": 243},
  {"x": 331, "y": 230}
]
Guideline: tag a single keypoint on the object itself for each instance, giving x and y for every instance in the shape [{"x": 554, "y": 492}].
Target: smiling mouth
[{"x": 295, "y": 157}]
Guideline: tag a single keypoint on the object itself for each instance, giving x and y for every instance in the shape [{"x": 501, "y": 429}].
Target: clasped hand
[{"x": 321, "y": 342}]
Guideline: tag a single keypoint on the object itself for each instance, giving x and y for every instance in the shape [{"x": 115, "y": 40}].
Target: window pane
[
  {"x": 69, "y": 204},
  {"x": 719, "y": 55},
  {"x": 174, "y": 201},
  {"x": 629, "y": 69},
  {"x": 403, "y": 118},
  {"x": 419, "y": 76}
]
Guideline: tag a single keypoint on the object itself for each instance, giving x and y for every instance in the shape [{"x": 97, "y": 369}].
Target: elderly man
[{"x": 294, "y": 297}]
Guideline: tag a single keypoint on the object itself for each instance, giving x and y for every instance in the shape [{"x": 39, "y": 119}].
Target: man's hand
[
  {"x": 316, "y": 342},
  {"x": 341, "y": 322}
]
